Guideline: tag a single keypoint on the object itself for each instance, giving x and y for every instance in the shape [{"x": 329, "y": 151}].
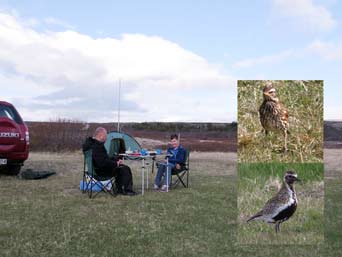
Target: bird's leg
[
  {"x": 285, "y": 141},
  {"x": 277, "y": 227}
]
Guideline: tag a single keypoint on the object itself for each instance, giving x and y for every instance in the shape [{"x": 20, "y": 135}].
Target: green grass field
[
  {"x": 304, "y": 101},
  {"x": 257, "y": 183},
  {"x": 333, "y": 210},
  {"x": 52, "y": 218}
]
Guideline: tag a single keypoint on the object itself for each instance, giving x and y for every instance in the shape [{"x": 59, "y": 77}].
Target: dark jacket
[
  {"x": 178, "y": 155},
  {"x": 102, "y": 162}
]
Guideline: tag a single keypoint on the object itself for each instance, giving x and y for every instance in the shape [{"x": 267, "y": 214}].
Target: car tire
[{"x": 13, "y": 169}]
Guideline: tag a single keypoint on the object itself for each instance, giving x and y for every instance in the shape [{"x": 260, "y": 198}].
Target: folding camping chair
[
  {"x": 92, "y": 183},
  {"x": 182, "y": 172}
]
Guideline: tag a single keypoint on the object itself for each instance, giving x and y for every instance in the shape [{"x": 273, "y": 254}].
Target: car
[{"x": 14, "y": 139}]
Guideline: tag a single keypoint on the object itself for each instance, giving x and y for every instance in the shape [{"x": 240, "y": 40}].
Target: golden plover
[{"x": 282, "y": 206}]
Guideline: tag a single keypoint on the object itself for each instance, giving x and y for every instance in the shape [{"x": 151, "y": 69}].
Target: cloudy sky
[{"x": 176, "y": 60}]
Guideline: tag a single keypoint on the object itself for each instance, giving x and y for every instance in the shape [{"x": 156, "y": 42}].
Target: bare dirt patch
[{"x": 333, "y": 163}]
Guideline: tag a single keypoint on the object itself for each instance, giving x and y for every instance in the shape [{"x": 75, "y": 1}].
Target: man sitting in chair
[
  {"x": 176, "y": 158},
  {"x": 106, "y": 167}
]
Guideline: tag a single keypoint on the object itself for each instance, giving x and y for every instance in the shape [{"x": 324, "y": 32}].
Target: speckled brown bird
[
  {"x": 282, "y": 206},
  {"x": 273, "y": 115}
]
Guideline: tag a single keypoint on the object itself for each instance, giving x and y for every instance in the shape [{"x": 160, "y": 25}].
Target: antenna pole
[{"x": 118, "y": 129}]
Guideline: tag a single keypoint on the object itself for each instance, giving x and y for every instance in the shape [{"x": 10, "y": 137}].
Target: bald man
[{"x": 106, "y": 167}]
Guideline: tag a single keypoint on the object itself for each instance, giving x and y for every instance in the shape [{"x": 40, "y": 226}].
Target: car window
[{"x": 11, "y": 113}]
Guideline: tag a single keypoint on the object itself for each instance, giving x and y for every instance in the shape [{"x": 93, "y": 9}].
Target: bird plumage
[
  {"x": 282, "y": 206},
  {"x": 273, "y": 115}
]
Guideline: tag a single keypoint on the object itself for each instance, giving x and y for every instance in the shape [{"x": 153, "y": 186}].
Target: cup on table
[
  {"x": 143, "y": 152},
  {"x": 159, "y": 151}
]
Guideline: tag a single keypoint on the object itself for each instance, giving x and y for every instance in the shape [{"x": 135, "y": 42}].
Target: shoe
[
  {"x": 156, "y": 187},
  {"x": 129, "y": 193},
  {"x": 163, "y": 188},
  {"x": 119, "y": 192}
]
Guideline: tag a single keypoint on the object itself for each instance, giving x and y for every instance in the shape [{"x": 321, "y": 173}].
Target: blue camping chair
[
  {"x": 182, "y": 174},
  {"x": 92, "y": 184}
]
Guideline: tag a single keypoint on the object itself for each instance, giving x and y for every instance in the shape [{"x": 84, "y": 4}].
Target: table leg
[
  {"x": 167, "y": 174},
  {"x": 142, "y": 176},
  {"x": 147, "y": 178}
]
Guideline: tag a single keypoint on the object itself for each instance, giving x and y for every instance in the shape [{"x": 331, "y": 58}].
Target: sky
[{"x": 175, "y": 60}]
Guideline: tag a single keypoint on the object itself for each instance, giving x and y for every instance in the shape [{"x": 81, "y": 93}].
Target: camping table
[{"x": 143, "y": 159}]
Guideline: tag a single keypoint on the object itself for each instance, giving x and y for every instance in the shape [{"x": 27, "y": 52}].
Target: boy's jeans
[{"x": 162, "y": 174}]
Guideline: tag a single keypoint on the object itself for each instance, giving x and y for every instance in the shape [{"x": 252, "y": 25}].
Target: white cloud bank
[{"x": 71, "y": 75}]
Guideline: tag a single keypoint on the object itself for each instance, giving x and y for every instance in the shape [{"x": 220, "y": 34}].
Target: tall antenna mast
[{"x": 118, "y": 129}]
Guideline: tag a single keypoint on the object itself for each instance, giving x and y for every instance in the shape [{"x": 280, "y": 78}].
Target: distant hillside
[
  {"x": 65, "y": 135},
  {"x": 333, "y": 134}
]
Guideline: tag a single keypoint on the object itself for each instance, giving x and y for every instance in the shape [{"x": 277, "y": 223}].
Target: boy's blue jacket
[{"x": 178, "y": 155}]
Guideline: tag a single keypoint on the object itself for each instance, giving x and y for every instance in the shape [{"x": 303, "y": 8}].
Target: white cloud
[
  {"x": 73, "y": 75},
  {"x": 329, "y": 51},
  {"x": 267, "y": 59},
  {"x": 326, "y": 50},
  {"x": 58, "y": 22},
  {"x": 305, "y": 13}
]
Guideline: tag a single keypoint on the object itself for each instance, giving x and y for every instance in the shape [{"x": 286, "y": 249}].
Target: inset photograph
[
  {"x": 280, "y": 120},
  {"x": 280, "y": 203}
]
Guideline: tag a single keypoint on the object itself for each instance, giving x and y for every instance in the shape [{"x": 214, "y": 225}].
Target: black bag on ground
[{"x": 32, "y": 174}]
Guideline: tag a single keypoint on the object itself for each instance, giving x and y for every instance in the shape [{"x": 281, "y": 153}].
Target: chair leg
[
  {"x": 175, "y": 184},
  {"x": 114, "y": 191},
  {"x": 103, "y": 188},
  {"x": 84, "y": 181},
  {"x": 84, "y": 184},
  {"x": 90, "y": 189},
  {"x": 180, "y": 178},
  {"x": 93, "y": 194}
]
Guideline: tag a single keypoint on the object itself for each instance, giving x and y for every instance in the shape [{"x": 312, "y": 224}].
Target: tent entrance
[
  {"x": 117, "y": 143},
  {"x": 117, "y": 146}
]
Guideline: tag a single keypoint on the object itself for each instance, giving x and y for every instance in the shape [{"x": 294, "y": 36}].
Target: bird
[
  {"x": 283, "y": 205},
  {"x": 273, "y": 115}
]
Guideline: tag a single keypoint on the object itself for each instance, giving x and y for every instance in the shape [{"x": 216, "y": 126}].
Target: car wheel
[{"x": 13, "y": 169}]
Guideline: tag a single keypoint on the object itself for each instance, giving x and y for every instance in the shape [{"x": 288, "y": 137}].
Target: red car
[{"x": 14, "y": 139}]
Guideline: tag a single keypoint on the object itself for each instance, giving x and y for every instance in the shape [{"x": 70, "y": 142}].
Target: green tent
[{"x": 117, "y": 143}]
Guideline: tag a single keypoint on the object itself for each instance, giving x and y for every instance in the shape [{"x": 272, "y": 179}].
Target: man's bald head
[{"x": 100, "y": 134}]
